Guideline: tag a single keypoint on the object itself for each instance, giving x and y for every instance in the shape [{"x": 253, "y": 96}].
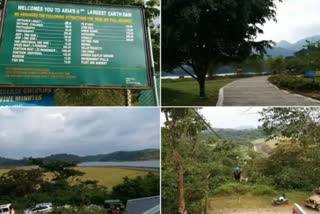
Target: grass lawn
[
  {"x": 185, "y": 92},
  {"x": 109, "y": 177}
]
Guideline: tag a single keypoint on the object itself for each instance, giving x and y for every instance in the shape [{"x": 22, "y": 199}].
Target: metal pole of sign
[
  {"x": 128, "y": 97},
  {"x": 153, "y": 68},
  {"x": 3, "y": 5}
]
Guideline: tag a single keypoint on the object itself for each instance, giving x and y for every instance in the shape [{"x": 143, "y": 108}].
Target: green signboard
[{"x": 73, "y": 45}]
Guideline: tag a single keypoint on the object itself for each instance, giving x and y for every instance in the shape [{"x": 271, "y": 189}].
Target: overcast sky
[
  {"x": 39, "y": 132},
  {"x": 230, "y": 117},
  {"x": 297, "y": 19}
]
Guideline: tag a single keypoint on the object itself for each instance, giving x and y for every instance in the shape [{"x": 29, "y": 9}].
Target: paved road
[{"x": 257, "y": 91}]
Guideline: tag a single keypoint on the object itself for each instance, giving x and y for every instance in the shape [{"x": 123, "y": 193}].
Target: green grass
[
  {"x": 185, "y": 92},
  {"x": 109, "y": 177}
]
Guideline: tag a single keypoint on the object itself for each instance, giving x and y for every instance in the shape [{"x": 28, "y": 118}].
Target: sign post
[
  {"x": 154, "y": 81},
  {"x": 74, "y": 45}
]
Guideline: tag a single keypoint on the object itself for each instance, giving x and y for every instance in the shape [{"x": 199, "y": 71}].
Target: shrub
[
  {"x": 231, "y": 188},
  {"x": 263, "y": 190},
  {"x": 240, "y": 188},
  {"x": 296, "y": 82}
]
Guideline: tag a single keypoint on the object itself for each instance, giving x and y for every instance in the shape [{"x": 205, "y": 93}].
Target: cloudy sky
[
  {"x": 297, "y": 19},
  {"x": 39, "y": 132},
  {"x": 230, "y": 117}
]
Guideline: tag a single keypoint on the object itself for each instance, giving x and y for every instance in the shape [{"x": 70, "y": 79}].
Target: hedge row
[{"x": 296, "y": 82}]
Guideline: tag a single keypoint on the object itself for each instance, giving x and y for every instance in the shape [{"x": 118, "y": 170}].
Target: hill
[
  {"x": 140, "y": 155},
  {"x": 279, "y": 51},
  {"x": 242, "y": 136},
  {"x": 285, "y": 48}
]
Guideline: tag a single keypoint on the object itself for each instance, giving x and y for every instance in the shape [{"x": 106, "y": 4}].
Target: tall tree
[
  {"x": 181, "y": 123},
  {"x": 203, "y": 33}
]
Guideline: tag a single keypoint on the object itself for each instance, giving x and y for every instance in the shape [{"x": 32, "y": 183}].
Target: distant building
[{"x": 149, "y": 205}]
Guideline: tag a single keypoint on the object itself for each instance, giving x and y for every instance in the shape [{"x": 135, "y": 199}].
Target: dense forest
[{"x": 194, "y": 169}]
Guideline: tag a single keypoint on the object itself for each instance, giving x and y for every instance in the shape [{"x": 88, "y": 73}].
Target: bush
[
  {"x": 240, "y": 188},
  {"x": 263, "y": 190},
  {"x": 296, "y": 83},
  {"x": 231, "y": 188}
]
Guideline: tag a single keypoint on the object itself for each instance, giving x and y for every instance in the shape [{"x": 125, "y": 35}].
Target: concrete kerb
[{"x": 220, "y": 98}]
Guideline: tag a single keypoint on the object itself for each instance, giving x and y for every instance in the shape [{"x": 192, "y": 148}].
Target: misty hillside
[
  {"x": 140, "y": 155},
  {"x": 285, "y": 48},
  {"x": 239, "y": 136}
]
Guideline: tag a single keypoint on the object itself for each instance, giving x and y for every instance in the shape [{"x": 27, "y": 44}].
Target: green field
[
  {"x": 107, "y": 176},
  {"x": 185, "y": 92}
]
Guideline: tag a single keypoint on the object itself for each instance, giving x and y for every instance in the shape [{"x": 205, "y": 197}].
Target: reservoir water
[{"x": 138, "y": 164}]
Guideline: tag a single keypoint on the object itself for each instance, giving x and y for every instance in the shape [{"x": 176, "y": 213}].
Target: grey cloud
[{"x": 81, "y": 131}]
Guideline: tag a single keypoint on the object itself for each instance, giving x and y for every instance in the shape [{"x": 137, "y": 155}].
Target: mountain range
[
  {"x": 140, "y": 155},
  {"x": 285, "y": 48}
]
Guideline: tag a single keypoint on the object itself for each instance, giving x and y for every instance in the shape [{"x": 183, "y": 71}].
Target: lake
[
  {"x": 138, "y": 164},
  {"x": 173, "y": 77}
]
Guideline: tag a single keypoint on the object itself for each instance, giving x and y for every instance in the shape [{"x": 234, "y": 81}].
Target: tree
[
  {"x": 60, "y": 169},
  {"x": 201, "y": 34},
  {"x": 193, "y": 163},
  {"x": 297, "y": 129},
  {"x": 179, "y": 123},
  {"x": 138, "y": 187},
  {"x": 254, "y": 62},
  {"x": 277, "y": 64},
  {"x": 301, "y": 125},
  {"x": 19, "y": 182}
]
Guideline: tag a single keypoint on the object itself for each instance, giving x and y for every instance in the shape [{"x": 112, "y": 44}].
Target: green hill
[{"x": 140, "y": 155}]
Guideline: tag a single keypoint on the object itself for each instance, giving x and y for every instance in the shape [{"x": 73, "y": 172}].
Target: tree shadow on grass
[{"x": 172, "y": 97}]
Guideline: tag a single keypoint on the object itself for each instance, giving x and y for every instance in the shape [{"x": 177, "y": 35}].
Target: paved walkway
[{"x": 258, "y": 91}]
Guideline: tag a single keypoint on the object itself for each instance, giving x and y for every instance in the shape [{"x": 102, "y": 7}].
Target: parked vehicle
[
  {"x": 4, "y": 209},
  {"x": 281, "y": 200},
  {"x": 313, "y": 202},
  {"x": 114, "y": 206},
  {"x": 39, "y": 208}
]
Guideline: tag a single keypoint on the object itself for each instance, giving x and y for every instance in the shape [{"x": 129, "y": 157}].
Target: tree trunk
[
  {"x": 181, "y": 199},
  {"x": 202, "y": 88},
  {"x": 182, "y": 202}
]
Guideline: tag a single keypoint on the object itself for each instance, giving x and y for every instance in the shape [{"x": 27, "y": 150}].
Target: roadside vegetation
[
  {"x": 290, "y": 73},
  {"x": 61, "y": 183},
  {"x": 298, "y": 84},
  {"x": 198, "y": 173}
]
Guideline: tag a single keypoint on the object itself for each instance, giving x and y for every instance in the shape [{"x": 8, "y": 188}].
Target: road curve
[{"x": 258, "y": 91}]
